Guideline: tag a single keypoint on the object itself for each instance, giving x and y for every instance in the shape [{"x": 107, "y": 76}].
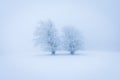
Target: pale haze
[{"x": 97, "y": 20}]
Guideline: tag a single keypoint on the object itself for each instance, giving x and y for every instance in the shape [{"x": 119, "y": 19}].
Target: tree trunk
[
  {"x": 72, "y": 52},
  {"x": 53, "y": 52}
]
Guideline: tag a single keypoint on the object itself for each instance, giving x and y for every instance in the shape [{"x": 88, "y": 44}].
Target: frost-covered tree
[
  {"x": 72, "y": 40},
  {"x": 46, "y": 36}
]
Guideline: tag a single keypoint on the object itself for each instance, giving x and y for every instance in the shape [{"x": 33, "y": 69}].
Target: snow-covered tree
[
  {"x": 72, "y": 40},
  {"x": 46, "y": 36}
]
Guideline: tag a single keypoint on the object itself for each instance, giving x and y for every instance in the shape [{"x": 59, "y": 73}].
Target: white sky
[{"x": 97, "y": 19}]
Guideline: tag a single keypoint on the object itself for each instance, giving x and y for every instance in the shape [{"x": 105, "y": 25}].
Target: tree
[
  {"x": 46, "y": 35},
  {"x": 72, "y": 40}
]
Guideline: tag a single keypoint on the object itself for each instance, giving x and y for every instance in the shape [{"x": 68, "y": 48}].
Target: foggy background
[{"x": 98, "y": 20}]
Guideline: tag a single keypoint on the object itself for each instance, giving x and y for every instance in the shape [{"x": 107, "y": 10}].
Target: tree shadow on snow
[{"x": 63, "y": 54}]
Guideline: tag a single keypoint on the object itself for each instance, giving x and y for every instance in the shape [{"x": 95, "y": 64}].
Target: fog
[{"x": 98, "y": 20}]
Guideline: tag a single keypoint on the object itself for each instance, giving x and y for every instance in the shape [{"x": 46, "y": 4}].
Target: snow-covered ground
[{"x": 85, "y": 66}]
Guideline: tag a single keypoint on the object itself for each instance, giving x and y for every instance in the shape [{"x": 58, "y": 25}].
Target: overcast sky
[{"x": 98, "y": 20}]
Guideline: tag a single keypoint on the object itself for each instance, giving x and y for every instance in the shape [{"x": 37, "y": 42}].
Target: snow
[{"x": 83, "y": 66}]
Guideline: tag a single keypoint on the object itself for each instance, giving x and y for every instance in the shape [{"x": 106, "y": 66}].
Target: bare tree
[
  {"x": 72, "y": 40},
  {"x": 46, "y": 35}
]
